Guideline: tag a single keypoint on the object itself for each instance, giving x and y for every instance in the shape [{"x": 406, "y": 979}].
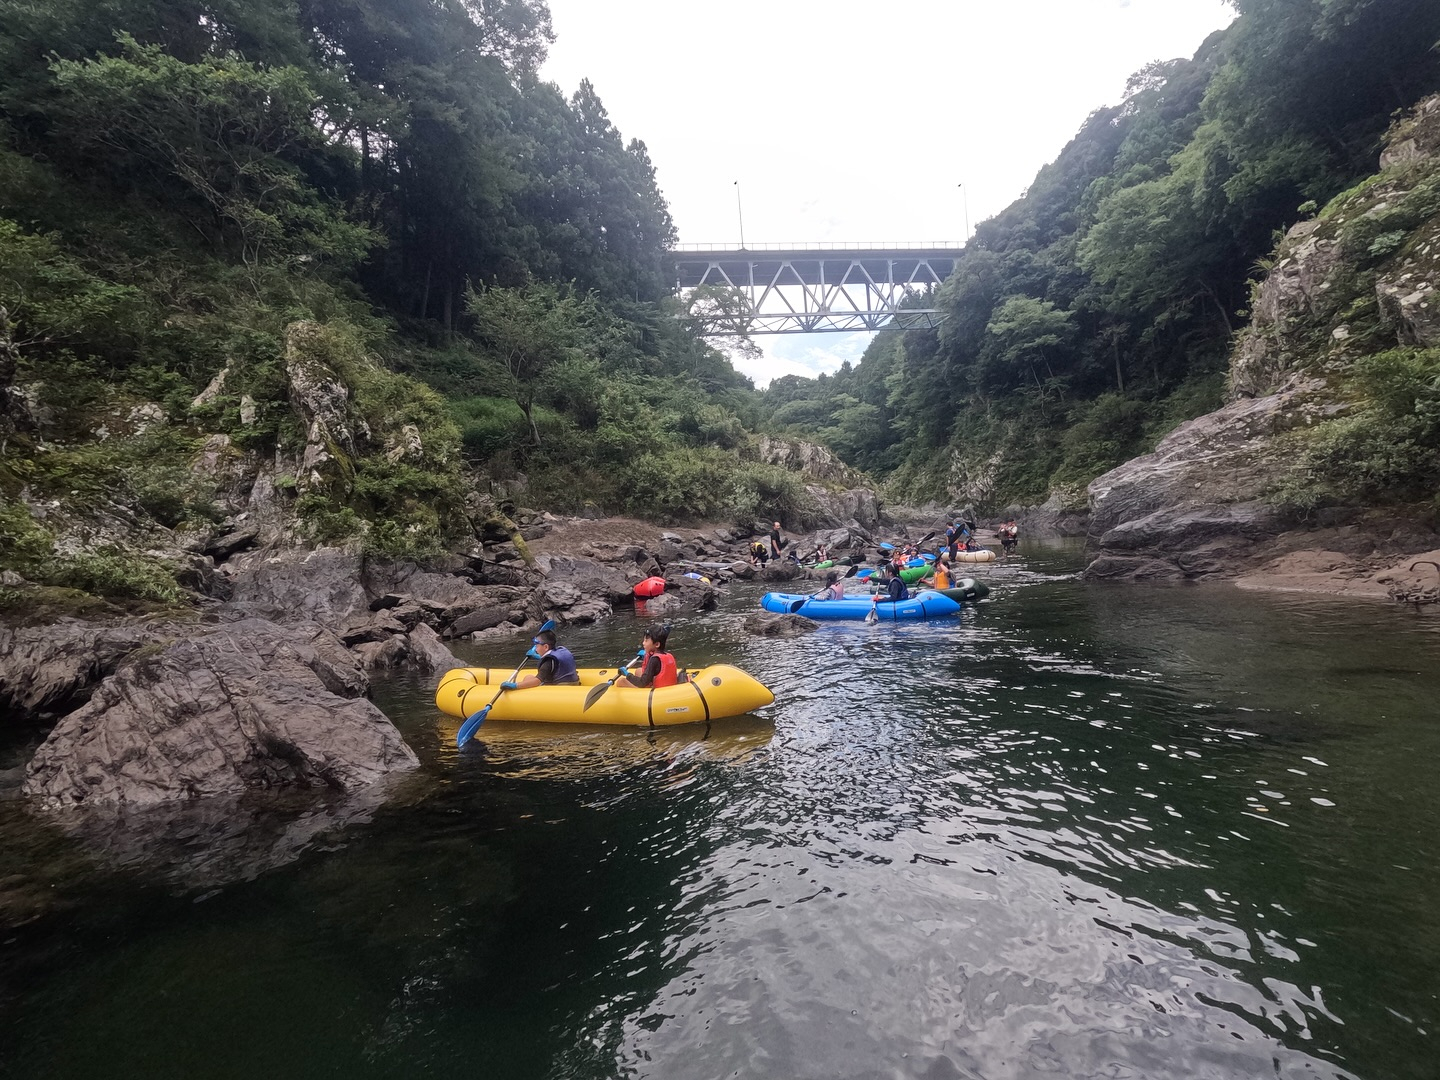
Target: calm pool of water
[{"x": 1079, "y": 832}]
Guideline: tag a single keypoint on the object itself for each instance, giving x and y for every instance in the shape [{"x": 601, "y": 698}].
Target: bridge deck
[{"x": 812, "y": 265}]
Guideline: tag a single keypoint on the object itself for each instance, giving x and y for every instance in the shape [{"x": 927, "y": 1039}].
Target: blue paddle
[
  {"x": 473, "y": 721},
  {"x": 887, "y": 547}
]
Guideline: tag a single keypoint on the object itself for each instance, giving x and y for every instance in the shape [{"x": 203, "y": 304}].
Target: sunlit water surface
[{"x": 1079, "y": 832}]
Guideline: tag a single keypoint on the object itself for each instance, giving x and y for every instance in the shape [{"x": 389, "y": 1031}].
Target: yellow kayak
[{"x": 712, "y": 692}]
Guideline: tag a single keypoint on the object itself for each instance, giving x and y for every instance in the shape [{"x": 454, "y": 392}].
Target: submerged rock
[
  {"x": 248, "y": 705},
  {"x": 774, "y": 624}
]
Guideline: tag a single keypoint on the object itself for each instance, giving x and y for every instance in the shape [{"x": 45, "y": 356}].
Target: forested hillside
[
  {"x": 1098, "y": 311},
  {"x": 354, "y": 249}
]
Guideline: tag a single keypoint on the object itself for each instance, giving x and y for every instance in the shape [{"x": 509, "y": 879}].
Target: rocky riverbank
[
  {"x": 1297, "y": 483},
  {"x": 266, "y": 689}
]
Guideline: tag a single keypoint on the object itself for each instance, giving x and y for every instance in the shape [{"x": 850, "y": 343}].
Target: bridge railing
[{"x": 887, "y": 245}]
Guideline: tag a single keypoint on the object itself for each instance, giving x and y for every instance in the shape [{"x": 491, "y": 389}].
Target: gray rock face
[
  {"x": 858, "y": 508},
  {"x": 1418, "y": 137},
  {"x": 1410, "y": 306},
  {"x": 51, "y": 668},
  {"x": 1193, "y": 502},
  {"x": 248, "y": 705},
  {"x": 320, "y": 398},
  {"x": 810, "y": 460},
  {"x": 321, "y": 586},
  {"x": 1287, "y": 304}
]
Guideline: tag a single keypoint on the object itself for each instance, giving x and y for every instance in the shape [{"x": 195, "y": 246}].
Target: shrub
[
  {"x": 110, "y": 571},
  {"x": 24, "y": 544},
  {"x": 1388, "y": 448},
  {"x": 759, "y": 491}
]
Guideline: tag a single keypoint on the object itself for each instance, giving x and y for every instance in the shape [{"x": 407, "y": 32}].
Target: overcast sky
[{"x": 849, "y": 121}]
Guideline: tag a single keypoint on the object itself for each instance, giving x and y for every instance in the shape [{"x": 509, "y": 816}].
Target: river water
[{"x": 1082, "y": 831}]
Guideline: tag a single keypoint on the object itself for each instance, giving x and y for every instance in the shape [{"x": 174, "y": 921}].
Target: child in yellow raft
[
  {"x": 557, "y": 665},
  {"x": 659, "y": 666}
]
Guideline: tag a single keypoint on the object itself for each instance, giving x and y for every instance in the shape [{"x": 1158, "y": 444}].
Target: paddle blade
[
  {"x": 852, "y": 571},
  {"x": 887, "y": 547},
  {"x": 596, "y": 692},
  {"x": 872, "y": 616},
  {"x": 470, "y": 726}
]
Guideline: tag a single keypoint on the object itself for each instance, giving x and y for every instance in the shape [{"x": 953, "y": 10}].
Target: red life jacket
[{"x": 667, "y": 675}]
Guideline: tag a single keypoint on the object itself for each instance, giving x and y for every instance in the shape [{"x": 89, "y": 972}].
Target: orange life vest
[{"x": 667, "y": 675}]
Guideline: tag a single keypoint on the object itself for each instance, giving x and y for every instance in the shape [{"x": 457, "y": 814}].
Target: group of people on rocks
[{"x": 760, "y": 554}]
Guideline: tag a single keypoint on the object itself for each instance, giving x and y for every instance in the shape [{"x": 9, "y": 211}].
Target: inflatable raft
[
  {"x": 650, "y": 587},
  {"x": 966, "y": 590},
  {"x": 980, "y": 555},
  {"x": 925, "y": 605},
  {"x": 710, "y": 694}
]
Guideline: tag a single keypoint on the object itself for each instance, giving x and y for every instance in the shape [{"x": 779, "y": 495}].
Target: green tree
[{"x": 530, "y": 333}]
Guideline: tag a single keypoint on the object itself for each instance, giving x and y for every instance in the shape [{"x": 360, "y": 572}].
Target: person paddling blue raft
[{"x": 896, "y": 589}]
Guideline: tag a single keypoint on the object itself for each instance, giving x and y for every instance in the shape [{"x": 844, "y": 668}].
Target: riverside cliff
[{"x": 1321, "y": 471}]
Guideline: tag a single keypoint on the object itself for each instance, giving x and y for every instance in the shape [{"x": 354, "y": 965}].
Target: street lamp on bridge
[{"x": 741, "y": 214}]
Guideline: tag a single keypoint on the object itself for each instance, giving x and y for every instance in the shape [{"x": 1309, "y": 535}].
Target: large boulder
[
  {"x": 1196, "y": 501},
  {"x": 428, "y": 654},
  {"x": 48, "y": 669},
  {"x": 591, "y": 577},
  {"x": 250, "y": 705},
  {"x": 782, "y": 570},
  {"x": 568, "y": 604}
]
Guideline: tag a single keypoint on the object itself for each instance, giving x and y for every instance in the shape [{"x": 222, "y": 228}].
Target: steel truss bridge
[{"x": 812, "y": 288}]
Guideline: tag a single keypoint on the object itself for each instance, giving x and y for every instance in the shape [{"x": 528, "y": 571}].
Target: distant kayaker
[
  {"x": 658, "y": 668},
  {"x": 556, "y": 667},
  {"x": 895, "y": 589}
]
